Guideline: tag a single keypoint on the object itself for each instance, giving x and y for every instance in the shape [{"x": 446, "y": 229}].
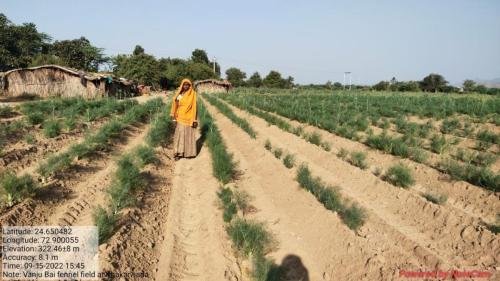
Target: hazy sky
[{"x": 313, "y": 41}]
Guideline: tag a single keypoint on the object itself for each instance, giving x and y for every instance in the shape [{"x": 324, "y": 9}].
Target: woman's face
[{"x": 186, "y": 86}]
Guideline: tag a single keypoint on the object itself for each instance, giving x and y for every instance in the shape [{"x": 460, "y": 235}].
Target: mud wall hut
[
  {"x": 55, "y": 80},
  {"x": 212, "y": 86}
]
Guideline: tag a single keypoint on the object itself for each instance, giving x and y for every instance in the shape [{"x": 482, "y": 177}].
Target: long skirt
[{"x": 184, "y": 141}]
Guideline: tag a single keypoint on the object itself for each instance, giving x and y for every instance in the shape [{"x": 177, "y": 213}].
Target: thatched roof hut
[
  {"x": 212, "y": 86},
  {"x": 55, "y": 80}
]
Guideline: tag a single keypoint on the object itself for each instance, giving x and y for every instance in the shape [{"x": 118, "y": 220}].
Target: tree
[
  {"x": 44, "y": 59},
  {"x": 200, "y": 56},
  {"x": 274, "y": 80},
  {"x": 433, "y": 82},
  {"x": 138, "y": 50},
  {"x": 199, "y": 71},
  {"x": 255, "y": 80},
  {"x": 288, "y": 83},
  {"x": 174, "y": 70},
  {"x": 381, "y": 86},
  {"x": 481, "y": 89},
  {"x": 469, "y": 85},
  {"x": 19, "y": 44},
  {"x": 337, "y": 86},
  {"x": 236, "y": 76},
  {"x": 410, "y": 86},
  {"x": 79, "y": 53},
  {"x": 142, "y": 67}
]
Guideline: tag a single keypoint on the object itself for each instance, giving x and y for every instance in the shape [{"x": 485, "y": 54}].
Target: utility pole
[
  {"x": 350, "y": 79},
  {"x": 214, "y": 64}
]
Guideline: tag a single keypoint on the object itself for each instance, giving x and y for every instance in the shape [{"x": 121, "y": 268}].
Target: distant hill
[{"x": 492, "y": 83}]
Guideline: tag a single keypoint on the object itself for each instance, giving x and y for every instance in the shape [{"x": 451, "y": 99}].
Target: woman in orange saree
[{"x": 184, "y": 113}]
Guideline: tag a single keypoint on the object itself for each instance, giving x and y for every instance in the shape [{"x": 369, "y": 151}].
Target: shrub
[
  {"x": 70, "y": 123},
  {"x": 55, "y": 163},
  {"x": 382, "y": 142},
  {"x": 289, "y": 161},
  {"x": 127, "y": 180},
  {"x": 161, "y": 130},
  {"x": 439, "y": 144},
  {"x": 228, "y": 112},
  {"x": 29, "y": 139},
  {"x": 226, "y": 196},
  {"x": 342, "y": 154},
  {"x": 249, "y": 237},
  {"x": 80, "y": 150},
  {"x": 495, "y": 227},
  {"x": 330, "y": 198},
  {"x": 358, "y": 158},
  {"x": 267, "y": 145},
  {"x": 482, "y": 145},
  {"x": 450, "y": 125},
  {"x": 146, "y": 155},
  {"x": 418, "y": 155},
  {"x": 299, "y": 130},
  {"x": 399, "y": 175},
  {"x": 242, "y": 200},
  {"x": 35, "y": 118},
  {"x": 353, "y": 216},
  {"x": 51, "y": 128},
  {"x": 105, "y": 222},
  {"x": 483, "y": 159},
  {"x": 307, "y": 182},
  {"x": 487, "y": 136},
  {"x": 326, "y": 146},
  {"x": 278, "y": 152},
  {"x": 264, "y": 269},
  {"x": 480, "y": 176},
  {"x": 399, "y": 148},
  {"x": 6, "y": 111},
  {"x": 224, "y": 168},
  {"x": 17, "y": 188},
  {"x": 435, "y": 198},
  {"x": 314, "y": 138},
  {"x": 385, "y": 124}
]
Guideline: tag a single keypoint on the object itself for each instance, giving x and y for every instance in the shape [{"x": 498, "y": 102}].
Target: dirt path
[
  {"x": 436, "y": 235},
  {"x": 195, "y": 245}
]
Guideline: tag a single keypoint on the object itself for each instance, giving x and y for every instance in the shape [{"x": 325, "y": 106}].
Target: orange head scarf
[{"x": 184, "y": 110}]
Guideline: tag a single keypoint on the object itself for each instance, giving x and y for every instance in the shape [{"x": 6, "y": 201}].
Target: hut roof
[
  {"x": 87, "y": 75},
  {"x": 223, "y": 83}
]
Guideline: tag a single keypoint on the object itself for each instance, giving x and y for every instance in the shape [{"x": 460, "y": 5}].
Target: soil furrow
[
  {"x": 136, "y": 246},
  {"x": 453, "y": 238},
  {"x": 196, "y": 246},
  {"x": 473, "y": 200},
  {"x": 92, "y": 192},
  {"x": 304, "y": 228},
  {"x": 73, "y": 190}
]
